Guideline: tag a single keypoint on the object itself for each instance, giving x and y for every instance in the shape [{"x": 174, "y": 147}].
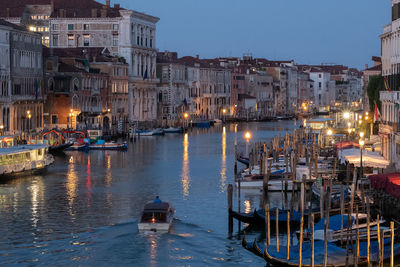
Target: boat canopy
[
  {"x": 157, "y": 207},
  {"x": 370, "y": 159},
  {"x": 20, "y": 149}
]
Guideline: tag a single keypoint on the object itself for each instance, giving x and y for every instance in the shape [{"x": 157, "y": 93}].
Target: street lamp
[
  {"x": 247, "y": 136},
  {"x": 186, "y": 116},
  {"x": 29, "y": 116},
  {"x": 346, "y": 115},
  {"x": 224, "y": 112}
]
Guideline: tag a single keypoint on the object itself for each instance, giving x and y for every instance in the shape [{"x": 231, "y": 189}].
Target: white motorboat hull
[
  {"x": 273, "y": 185},
  {"x": 155, "y": 227}
]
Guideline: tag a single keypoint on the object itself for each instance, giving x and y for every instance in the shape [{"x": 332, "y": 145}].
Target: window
[
  {"x": 115, "y": 40},
  {"x": 55, "y": 27},
  {"x": 46, "y": 17},
  {"x": 46, "y": 41},
  {"x": 319, "y": 84},
  {"x": 71, "y": 40},
  {"x": 46, "y": 29},
  {"x": 320, "y": 75},
  {"x": 85, "y": 27},
  {"x": 34, "y": 17},
  {"x": 115, "y": 27},
  {"x": 138, "y": 40},
  {"x": 151, "y": 43},
  {"x": 76, "y": 84},
  {"x": 55, "y": 40},
  {"x": 70, "y": 27},
  {"x": 54, "y": 119},
  {"x": 86, "y": 39},
  {"x": 40, "y": 17}
]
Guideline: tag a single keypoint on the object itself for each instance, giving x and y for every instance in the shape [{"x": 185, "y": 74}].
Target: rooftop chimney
[
  {"x": 94, "y": 12},
  {"x": 103, "y": 12},
  {"x": 366, "y": 66},
  {"x": 62, "y": 13},
  {"x": 197, "y": 56},
  {"x": 8, "y": 12},
  {"x": 117, "y": 6},
  {"x": 108, "y": 3}
]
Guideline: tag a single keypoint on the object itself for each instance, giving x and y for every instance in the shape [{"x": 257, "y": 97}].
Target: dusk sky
[{"x": 311, "y": 31}]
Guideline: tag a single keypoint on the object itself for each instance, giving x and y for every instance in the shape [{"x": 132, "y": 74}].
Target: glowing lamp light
[
  {"x": 247, "y": 136},
  {"x": 346, "y": 115},
  {"x": 224, "y": 110},
  {"x": 348, "y": 124},
  {"x": 349, "y": 130},
  {"x": 360, "y": 121},
  {"x": 366, "y": 113},
  {"x": 362, "y": 134},
  {"x": 366, "y": 117},
  {"x": 330, "y": 132},
  {"x": 362, "y": 142},
  {"x": 153, "y": 220},
  {"x": 186, "y": 115}
]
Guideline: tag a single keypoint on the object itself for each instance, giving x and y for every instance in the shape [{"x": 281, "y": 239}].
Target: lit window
[
  {"x": 46, "y": 29},
  {"x": 86, "y": 40},
  {"x": 32, "y": 29},
  {"x": 71, "y": 40},
  {"x": 46, "y": 17},
  {"x": 33, "y": 17}
]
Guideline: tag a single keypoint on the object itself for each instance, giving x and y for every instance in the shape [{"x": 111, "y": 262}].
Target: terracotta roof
[
  {"x": 12, "y": 25},
  {"x": 101, "y": 54},
  {"x": 376, "y": 59},
  {"x": 73, "y": 8},
  {"x": 375, "y": 68},
  {"x": 63, "y": 67}
]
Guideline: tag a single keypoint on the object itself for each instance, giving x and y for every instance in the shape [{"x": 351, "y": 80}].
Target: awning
[
  {"x": 346, "y": 145},
  {"x": 370, "y": 159}
]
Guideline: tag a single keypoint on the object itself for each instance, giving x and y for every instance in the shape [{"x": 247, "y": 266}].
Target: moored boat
[
  {"x": 173, "y": 130},
  {"x": 24, "y": 159},
  {"x": 100, "y": 145},
  {"x": 156, "y": 217}
]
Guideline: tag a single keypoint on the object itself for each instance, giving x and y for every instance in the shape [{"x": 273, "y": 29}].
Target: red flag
[{"x": 377, "y": 114}]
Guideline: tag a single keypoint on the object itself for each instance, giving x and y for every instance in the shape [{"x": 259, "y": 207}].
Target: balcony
[
  {"x": 387, "y": 28},
  {"x": 393, "y": 96}
]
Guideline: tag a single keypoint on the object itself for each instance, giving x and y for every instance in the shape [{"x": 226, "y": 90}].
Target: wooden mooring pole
[{"x": 230, "y": 202}]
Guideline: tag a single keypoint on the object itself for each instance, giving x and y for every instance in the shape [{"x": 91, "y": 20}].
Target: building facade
[{"x": 21, "y": 99}]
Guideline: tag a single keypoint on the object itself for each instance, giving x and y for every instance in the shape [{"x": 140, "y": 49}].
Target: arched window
[
  {"x": 76, "y": 84},
  {"x": 75, "y": 102},
  {"x": 51, "y": 84}
]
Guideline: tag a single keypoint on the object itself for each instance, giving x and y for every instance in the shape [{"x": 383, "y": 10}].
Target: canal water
[{"x": 84, "y": 210}]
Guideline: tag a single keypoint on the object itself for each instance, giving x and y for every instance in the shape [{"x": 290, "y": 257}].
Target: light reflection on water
[
  {"x": 223, "y": 163},
  {"x": 85, "y": 209},
  {"x": 185, "y": 167}
]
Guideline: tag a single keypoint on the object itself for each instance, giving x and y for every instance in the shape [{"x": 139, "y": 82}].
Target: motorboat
[
  {"x": 256, "y": 181},
  {"x": 153, "y": 132},
  {"x": 23, "y": 159},
  {"x": 173, "y": 130},
  {"x": 102, "y": 145},
  {"x": 156, "y": 217}
]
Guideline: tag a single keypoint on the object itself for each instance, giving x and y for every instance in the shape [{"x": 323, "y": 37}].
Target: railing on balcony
[
  {"x": 390, "y": 96},
  {"x": 387, "y": 28}
]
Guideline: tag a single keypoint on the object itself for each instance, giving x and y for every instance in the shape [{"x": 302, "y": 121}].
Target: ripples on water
[{"x": 85, "y": 209}]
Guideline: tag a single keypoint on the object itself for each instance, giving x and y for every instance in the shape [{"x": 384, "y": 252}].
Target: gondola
[
  {"x": 243, "y": 217},
  {"x": 259, "y": 215},
  {"x": 58, "y": 148},
  {"x": 244, "y": 160}
]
